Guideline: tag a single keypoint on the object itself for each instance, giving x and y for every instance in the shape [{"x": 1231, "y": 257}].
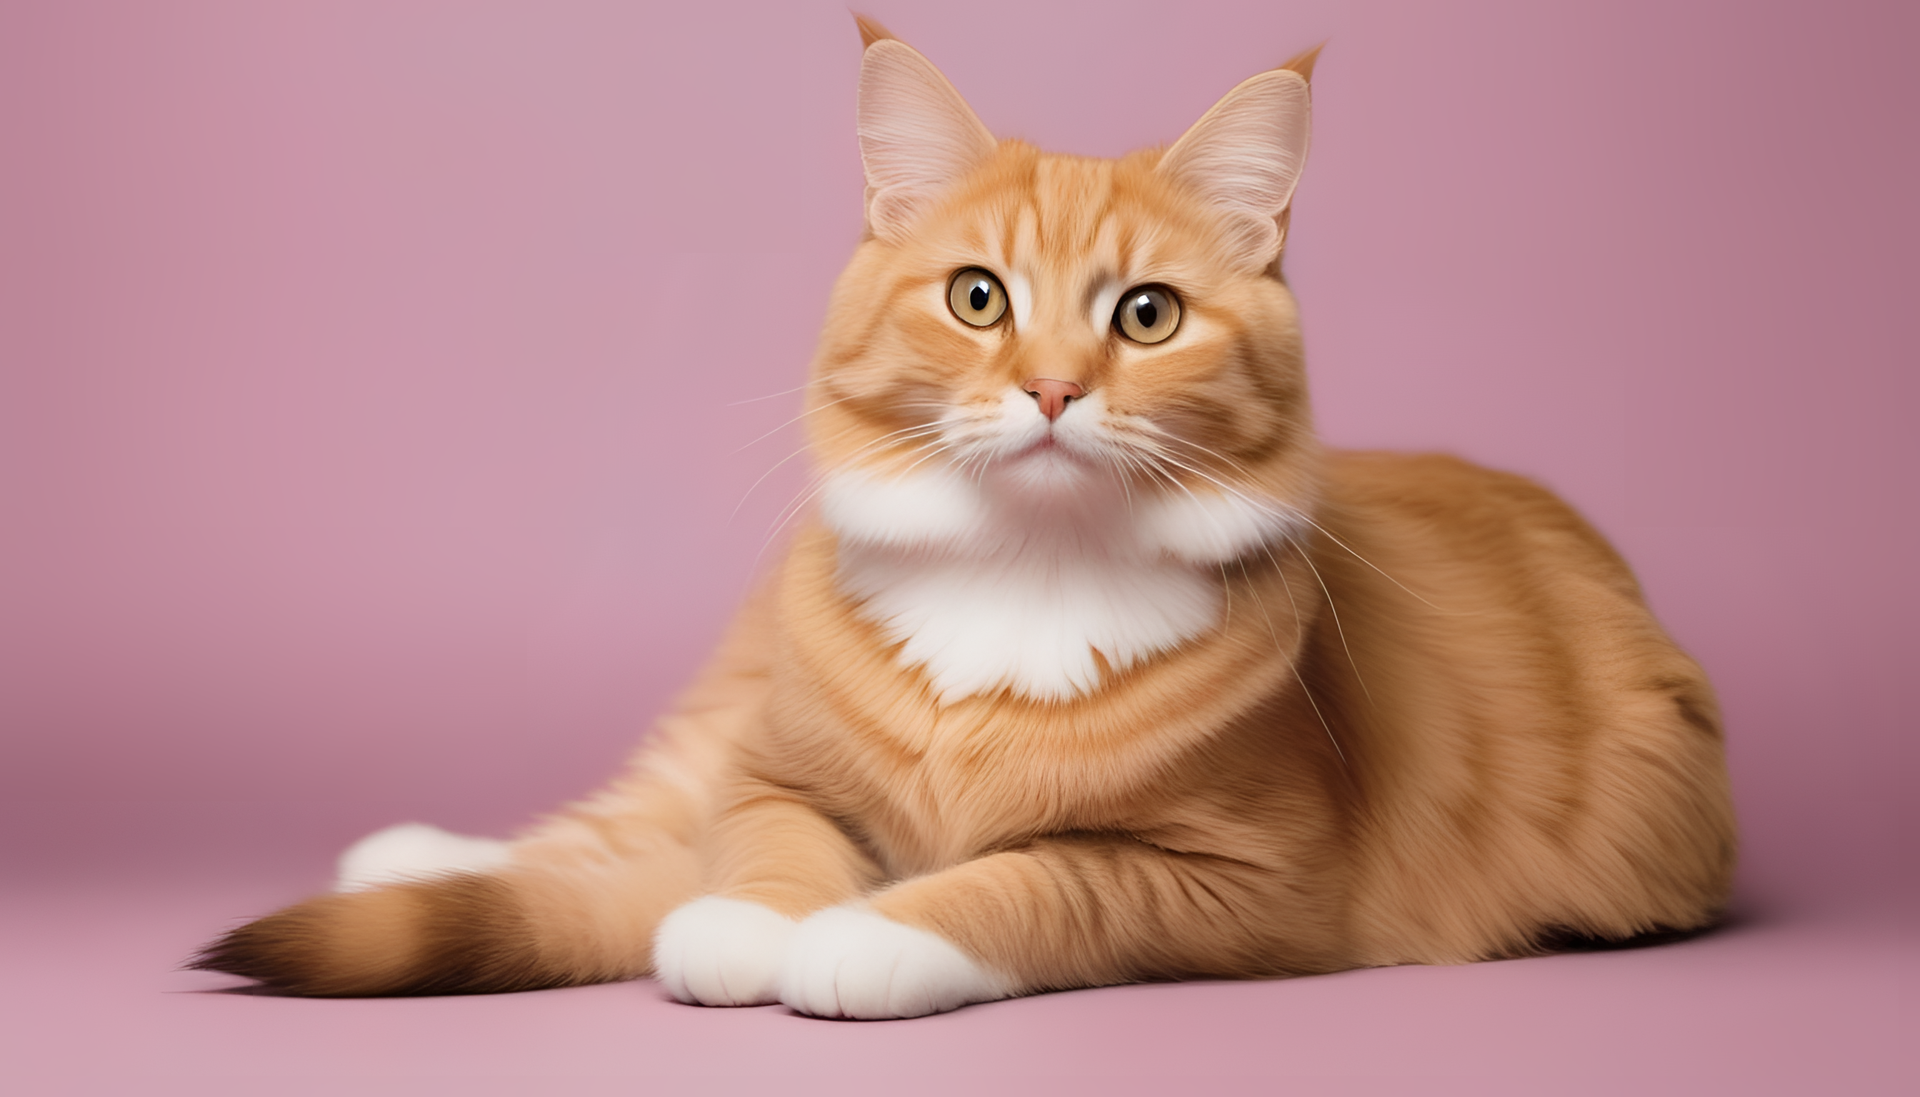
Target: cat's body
[{"x": 1093, "y": 666}]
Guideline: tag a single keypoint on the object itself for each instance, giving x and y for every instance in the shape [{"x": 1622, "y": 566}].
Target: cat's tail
[{"x": 576, "y": 902}]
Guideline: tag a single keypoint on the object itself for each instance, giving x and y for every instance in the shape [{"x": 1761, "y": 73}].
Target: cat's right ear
[{"x": 917, "y": 136}]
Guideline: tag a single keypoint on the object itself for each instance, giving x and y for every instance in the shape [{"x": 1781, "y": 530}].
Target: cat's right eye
[{"x": 977, "y": 297}]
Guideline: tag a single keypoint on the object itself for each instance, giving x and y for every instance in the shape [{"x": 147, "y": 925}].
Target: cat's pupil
[
  {"x": 979, "y": 296},
  {"x": 1144, "y": 312}
]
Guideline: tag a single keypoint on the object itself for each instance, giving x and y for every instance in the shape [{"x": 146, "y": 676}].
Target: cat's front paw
[
  {"x": 717, "y": 951},
  {"x": 851, "y": 962}
]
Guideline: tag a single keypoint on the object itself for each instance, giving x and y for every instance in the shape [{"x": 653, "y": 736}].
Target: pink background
[{"x": 371, "y": 438}]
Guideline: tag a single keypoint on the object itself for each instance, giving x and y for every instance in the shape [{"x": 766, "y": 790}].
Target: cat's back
[
  {"x": 1441, "y": 500},
  {"x": 1483, "y": 559},
  {"x": 1534, "y": 751}
]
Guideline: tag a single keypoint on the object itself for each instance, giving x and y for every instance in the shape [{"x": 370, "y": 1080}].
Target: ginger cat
[{"x": 1092, "y": 665}]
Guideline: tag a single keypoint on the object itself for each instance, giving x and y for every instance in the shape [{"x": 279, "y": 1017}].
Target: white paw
[
  {"x": 411, "y": 851},
  {"x": 722, "y": 952},
  {"x": 850, "y": 962}
]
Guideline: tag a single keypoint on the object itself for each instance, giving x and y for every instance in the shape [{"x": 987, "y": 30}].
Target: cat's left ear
[
  {"x": 917, "y": 136},
  {"x": 1244, "y": 157}
]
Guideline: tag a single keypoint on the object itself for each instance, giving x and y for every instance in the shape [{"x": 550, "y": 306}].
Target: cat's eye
[
  {"x": 1147, "y": 314},
  {"x": 977, "y": 297}
]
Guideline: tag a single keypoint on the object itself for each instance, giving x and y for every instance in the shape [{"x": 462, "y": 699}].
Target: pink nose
[{"x": 1053, "y": 395}]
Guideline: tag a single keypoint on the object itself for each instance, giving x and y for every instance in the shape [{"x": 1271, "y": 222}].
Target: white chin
[{"x": 1049, "y": 470}]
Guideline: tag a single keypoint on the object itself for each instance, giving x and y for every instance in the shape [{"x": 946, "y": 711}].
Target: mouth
[
  {"x": 1050, "y": 441},
  {"x": 1045, "y": 451},
  {"x": 1047, "y": 464}
]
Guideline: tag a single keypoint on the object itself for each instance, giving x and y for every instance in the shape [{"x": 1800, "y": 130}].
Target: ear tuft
[
  {"x": 1302, "y": 62},
  {"x": 917, "y": 135},
  {"x": 1244, "y": 157},
  {"x": 870, "y": 30}
]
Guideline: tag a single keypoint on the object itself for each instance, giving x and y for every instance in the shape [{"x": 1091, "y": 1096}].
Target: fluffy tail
[{"x": 575, "y": 903}]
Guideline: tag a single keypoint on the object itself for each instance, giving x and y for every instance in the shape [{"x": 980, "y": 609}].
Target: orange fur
[{"x": 1435, "y": 723}]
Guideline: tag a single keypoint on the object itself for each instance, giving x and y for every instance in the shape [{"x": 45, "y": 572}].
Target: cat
[{"x": 1091, "y": 664}]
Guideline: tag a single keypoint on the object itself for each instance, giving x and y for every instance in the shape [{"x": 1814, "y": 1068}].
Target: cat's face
[{"x": 1062, "y": 329}]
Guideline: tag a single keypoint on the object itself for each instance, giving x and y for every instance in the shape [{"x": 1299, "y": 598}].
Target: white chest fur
[{"x": 986, "y": 589}]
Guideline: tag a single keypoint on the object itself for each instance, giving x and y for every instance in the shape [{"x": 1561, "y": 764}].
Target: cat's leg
[
  {"x": 1060, "y": 913},
  {"x": 775, "y": 861},
  {"x": 411, "y": 851}
]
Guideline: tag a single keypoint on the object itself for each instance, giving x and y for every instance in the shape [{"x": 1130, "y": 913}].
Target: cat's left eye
[
  {"x": 1147, "y": 314},
  {"x": 977, "y": 297}
]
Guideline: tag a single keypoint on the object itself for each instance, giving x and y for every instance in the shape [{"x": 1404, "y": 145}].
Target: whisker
[
  {"x": 1300, "y": 515},
  {"x": 794, "y": 510},
  {"x": 819, "y": 481},
  {"x": 1335, "y": 612},
  {"x": 791, "y": 422},
  {"x": 768, "y": 396},
  {"x": 877, "y": 441},
  {"x": 1231, "y": 464},
  {"x": 1293, "y": 664},
  {"x": 1299, "y": 629},
  {"x": 1304, "y": 517},
  {"x": 942, "y": 447},
  {"x": 763, "y": 479}
]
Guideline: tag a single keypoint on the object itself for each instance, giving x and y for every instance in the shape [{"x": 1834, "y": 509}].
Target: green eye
[
  {"x": 976, "y": 297},
  {"x": 1147, "y": 314}
]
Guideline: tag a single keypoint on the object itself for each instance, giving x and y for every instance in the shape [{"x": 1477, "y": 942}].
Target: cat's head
[{"x": 1059, "y": 332}]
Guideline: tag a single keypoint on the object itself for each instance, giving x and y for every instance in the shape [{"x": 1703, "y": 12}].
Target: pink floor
[{"x": 1813, "y": 1003}]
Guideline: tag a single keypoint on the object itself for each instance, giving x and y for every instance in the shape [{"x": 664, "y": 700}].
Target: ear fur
[
  {"x": 1244, "y": 157},
  {"x": 871, "y": 31},
  {"x": 917, "y": 135},
  {"x": 1301, "y": 62}
]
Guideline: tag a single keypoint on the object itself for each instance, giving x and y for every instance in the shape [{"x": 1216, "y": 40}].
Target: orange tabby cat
[{"x": 1093, "y": 665}]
